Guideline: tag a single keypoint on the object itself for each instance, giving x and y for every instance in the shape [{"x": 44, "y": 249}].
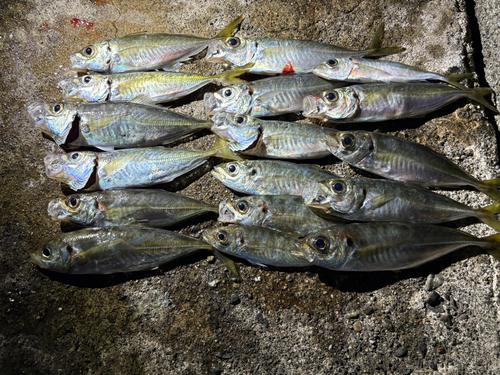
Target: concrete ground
[{"x": 191, "y": 317}]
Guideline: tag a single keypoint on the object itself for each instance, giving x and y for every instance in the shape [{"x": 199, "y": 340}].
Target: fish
[
  {"x": 268, "y": 96},
  {"x": 362, "y": 199},
  {"x": 372, "y": 246},
  {"x": 282, "y": 56},
  {"x": 112, "y": 250},
  {"x": 405, "y": 161},
  {"x": 111, "y": 125},
  {"x": 269, "y": 177},
  {"x": 139, "y": 52},
  {"x": 284, "y": 213},
  {"x": 373, "y": 102},
  {"x": 129, "y": 167},
  {"x": 158, "y": 87},
  {"x": 361, "y": 70},
  {"x": 259, "y": 246},
  {"x": 271, "y": 139},
  {"x": 148, "y": 207}
]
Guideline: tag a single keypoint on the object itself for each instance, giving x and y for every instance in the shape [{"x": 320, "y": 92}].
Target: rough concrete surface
[{"x": 191, "y": 317}]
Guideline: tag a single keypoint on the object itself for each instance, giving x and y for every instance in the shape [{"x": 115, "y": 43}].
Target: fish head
[
  {"x": 55, "y": 255},
  {"x": 329, "y": 247},
  {"x": 339, "y": 104},
  {"x": 79, "y": 208},
  {"x": 54, "y": 119},
  {"x": 73, "y": 168},
  {"x": 339, "y": 195},
  {"x": 337, "y": 69},
  {"x": 235, "y": 50},
  {"x": 232, "y": 99},
  {"x": 95, "y": 57},
  {"x": 88, "y": 88},
  {"x": 239, "y": 131},
  {"x": 251, "y": 210},
  {"x": 229, "y": 239},
  {"x": 238, "y": 175},
  {"x": 350, "y": 147}
]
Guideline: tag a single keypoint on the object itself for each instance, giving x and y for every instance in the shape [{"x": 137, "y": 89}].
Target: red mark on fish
[
  {"x": 76, "y": 21},
  {"x": 288, "y": 68},
  {"x": 101, "y": 206}
]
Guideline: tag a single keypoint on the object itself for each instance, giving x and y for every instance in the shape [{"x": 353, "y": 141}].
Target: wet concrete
[{"x": 180, "y": 319}]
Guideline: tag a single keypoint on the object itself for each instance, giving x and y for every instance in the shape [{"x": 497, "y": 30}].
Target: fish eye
[
  {"x": 58, "y": 108},
  {"x": 240, "y": 119},
  {"x": 228, "y": 93},
  {"x": 233, "y": 42},
  {"x": 233, "y": 169},
  {"x": 75, "y": 155},
  {"x": 222, "y": 237},
  {"x": 73, "y": 202},
  {"x": 87, "y": 79},
  {"x": 348, "y": 140},
  {"x": 331, "y": 96},
  {"x": 332, "y": 63},
  {"x": 338, "y": 187},
  {"x": 242, "y": 207},
  {"x": 46, "y": 252},
  {"x": 321, "y": 243},
  {"x": 89, "y": 51}
]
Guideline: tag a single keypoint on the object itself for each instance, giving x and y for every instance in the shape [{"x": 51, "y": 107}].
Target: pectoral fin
[{"x": 381, "y": 200}]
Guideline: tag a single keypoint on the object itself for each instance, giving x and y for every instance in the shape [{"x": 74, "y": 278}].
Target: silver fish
[
  {"x": 112, "y": 125},
  {"x": 143, "y": 51},
  {"x": 258, "y": 245},
  {"x": 271, "y": 139},
  {"x": 360, "y": 70},
  {"x": 372, "y": 102},
  {"x": 129, "y": 167},
  {"x": 149, "y": 207},
  {"x": 267, "y": 97},
  {"x": 385, "y": 200},
  {"x": 269, "y": 177},
  {"x": 111, "y": 250},
  {"x": 401, "y": 160},
  {"x": 273, "y": 56},
  {"x": 388, "y": 246},
  {"x": 284, "y": 213}
]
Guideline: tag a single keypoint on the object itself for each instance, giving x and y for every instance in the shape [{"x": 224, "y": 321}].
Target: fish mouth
[
  {"x": 56, "y": 210},
  {"x": 212, "y": 105},
  {"x": 37, "y": 260},
  {"x": 37, "y": 113},
  {"x": 331, "y": 143},
  {"x": 69, "y": 88},
  {"x": 225, "y": 213},
  {"x": 77, "y": 63},
  {"x": 217, "y": 172},
  {"x": 311, "y": 107},
  {"x": 214, "y": 54}
]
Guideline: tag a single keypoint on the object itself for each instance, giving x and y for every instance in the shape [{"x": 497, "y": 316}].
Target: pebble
[
  {"x": 433, "y": 282},
  {"x": 368, "y": 310},
  {"x": 353, "y": 315},
  {"x": 358, "y": 327},
  {"x": 441, "y": 350},
  {"x": 401, "y": 352},
  {"x": 388, "y": 326},
  {"x": 434, "y": 299},
  {"x": 223, "y": 355},
  {"x": 234, "y": 300},
  {"x": 433, "y": 366}
]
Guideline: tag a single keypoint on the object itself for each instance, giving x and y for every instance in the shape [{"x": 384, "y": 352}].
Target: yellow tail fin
[
  {"x": 229, "y": 29},
  {"x": 477, "y": 95},
  {"x": 222, "y": 150},
  {"x": 490, "y": 188},
  {"x": 495, "y": 245},
  {"x": 230, "y": 76},
  {"x": 488, "y": 215}
]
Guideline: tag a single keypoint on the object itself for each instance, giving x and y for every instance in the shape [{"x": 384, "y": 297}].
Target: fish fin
[
  {"x": 173, "y": 67},
  {"x": 84, "y": 256},
  {"x": 488, "y": 215},
  {"x": 222, "y": 150},
  {"x": 229, "y": 263},
  {"x": 376, "y": 42},
  {"x": 495, "y": 243},
  {"x": 477, "y": 95},
  {"x": 454, "y": 79},
  {"x": 229, "y": 29},
  {"x": 381, "y": 200},
  {"x": 144, "y": 100},
  {"x": 105, "y": 148},
  {"x": 490, "y": 188},
  {"x": 230, "y": 76}
]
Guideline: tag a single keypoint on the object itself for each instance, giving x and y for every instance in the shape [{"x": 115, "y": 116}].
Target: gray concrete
[{"x": 179, "y": 320}]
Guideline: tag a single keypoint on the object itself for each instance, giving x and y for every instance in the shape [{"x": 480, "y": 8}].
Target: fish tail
[
  {"x": 488, "y": 215},
  {"x": 222, "y": 150},
  {"x": 229, "y": 263},
  {"x": 477, "y": 95},
  {"x": 455, "y": 79},
  {"x": 386, "y": 51},
  {"x": 231, "y": 76},
  {"x": 494, "y": 241},
  {"x": 490, "y": 188},
  {"x": 376, "y": 42},
  {"x": 229, "y": 29}
]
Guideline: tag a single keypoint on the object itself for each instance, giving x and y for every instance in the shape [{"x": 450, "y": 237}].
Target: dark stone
[
  {"x": 310, "y": 274},
  {"x": 401, "y": 352},
  {"x": 433, "y": 366},
  {"x": 434, "y": 299},
  {"x": 369, "y": 310},
  {"x": 234, "y": 300},
  {"x": 223, "y": 355},
  {"x": 441, "y": 350},
  {"x": 422, "y": 348}
]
